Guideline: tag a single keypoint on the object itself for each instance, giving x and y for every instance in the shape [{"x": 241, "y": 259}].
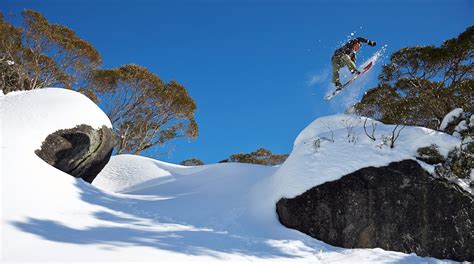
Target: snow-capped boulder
[
  {"x": 30, "y": 116},
  {"x": 81, "y": 151},
  {"x": 399, "y": 207}
]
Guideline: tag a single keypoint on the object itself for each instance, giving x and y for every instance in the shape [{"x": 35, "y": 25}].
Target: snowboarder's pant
[{"x": 339, "y": 62}]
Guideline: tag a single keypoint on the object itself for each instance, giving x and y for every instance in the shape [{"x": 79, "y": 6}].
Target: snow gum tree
[
  {"x": 40, "y": 54},
  {"x": 422, "y": 84},
  {"x": 145, "y": 111}
]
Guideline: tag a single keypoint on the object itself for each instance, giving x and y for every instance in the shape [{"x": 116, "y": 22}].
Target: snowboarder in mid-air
[{"x": 346, "y": 56}]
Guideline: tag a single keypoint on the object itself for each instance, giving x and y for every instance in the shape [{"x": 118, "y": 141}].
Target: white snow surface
[
  {"x": 350, "y": 151},
  {"x": 450, "y": 117},
  {"x": 140, "y": 209},
  {"x": 461, "y": 126}
]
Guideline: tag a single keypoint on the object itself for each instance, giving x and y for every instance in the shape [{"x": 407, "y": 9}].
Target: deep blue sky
[{"x": 247, "y": 64}]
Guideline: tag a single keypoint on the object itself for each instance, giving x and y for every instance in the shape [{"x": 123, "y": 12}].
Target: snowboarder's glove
[{"x": 371, "y": 43}]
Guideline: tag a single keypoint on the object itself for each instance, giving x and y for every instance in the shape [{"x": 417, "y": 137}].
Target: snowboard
[{"x": 365, "y": 69}]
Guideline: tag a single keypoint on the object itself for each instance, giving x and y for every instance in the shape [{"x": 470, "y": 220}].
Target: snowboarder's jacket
[{"x": 349, "y": 50}]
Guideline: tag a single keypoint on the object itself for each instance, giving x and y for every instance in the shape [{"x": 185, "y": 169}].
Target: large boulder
[
  {"x": 399, "y": 207},
  {"x": 81, "y": 151}
]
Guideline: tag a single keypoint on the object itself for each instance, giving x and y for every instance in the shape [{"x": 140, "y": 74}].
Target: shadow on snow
[{"x": 126, "y": 221}]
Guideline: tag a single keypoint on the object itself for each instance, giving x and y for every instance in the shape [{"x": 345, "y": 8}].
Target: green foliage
[
  {"x": 43, "y": 54},
  {"x": 419, "y": 87},
  {"x": 192, "y": 162},
  {"x": 144, "y": 111},
  {"x": 430, "y": 155},
  {"x": 470, "y": 148},
  {"x": 468, "y": 132},
  {"x": 261, "y": 156},
  {"x": 460, "y": 163},
  {"x": 422, "y": 84}
]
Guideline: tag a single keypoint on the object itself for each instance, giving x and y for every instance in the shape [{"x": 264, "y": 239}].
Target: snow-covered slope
[
  {"x": 141, "y": 209},
  {"x": 352, "y": 149}
]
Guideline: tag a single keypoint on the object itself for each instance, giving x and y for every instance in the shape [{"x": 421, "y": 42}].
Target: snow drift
[{"x": 140, "y": 209}]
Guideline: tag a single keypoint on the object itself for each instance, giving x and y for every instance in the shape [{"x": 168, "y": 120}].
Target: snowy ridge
[
  {"x": 142, "y": 209},
  {"x": 351, "y": 150},
  {"x": 309, "y": 166}
]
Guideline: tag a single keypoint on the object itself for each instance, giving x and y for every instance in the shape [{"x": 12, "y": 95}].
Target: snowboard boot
[
  {"x": 357, "y": 72},
  {"x": 338, "y": 85}
]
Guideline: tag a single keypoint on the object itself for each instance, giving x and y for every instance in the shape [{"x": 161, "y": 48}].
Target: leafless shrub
[
  {"x": 348, "y": 124},
  {"x": 395, "y": 134},
  {"x": 389, "y": 140},
  {"x": 332, "y": 134},
  {"x": 373, "y": 126}
]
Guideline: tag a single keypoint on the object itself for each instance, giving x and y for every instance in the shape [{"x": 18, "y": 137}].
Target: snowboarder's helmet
[{"x": 356, "y": 46}]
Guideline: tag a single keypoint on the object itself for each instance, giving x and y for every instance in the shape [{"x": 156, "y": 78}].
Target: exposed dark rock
[
  {"x": 81, "y": 151},
  {"x": 399, "y": 207}
]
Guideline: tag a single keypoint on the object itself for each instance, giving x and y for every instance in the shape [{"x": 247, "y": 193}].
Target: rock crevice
[{"x": 81, "y": 151}]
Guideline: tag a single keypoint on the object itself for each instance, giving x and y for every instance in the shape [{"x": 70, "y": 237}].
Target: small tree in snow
[
  {"x": 389, "y": 140},
  {"x": 459, "y": 163},
  {"x": 373, "y": 128},
  {"x": 460, "y": 160},
  {"x": 349, "y": 123},
  {"x": 332, "y": 134},
  {"x": 395, "y": 134}
]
